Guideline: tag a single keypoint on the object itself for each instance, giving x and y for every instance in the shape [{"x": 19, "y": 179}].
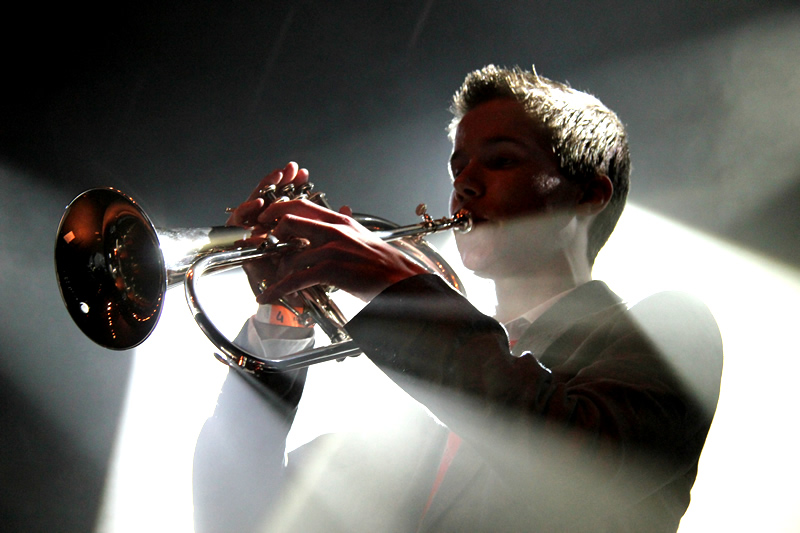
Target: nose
[{"x": 467, "y": 186}]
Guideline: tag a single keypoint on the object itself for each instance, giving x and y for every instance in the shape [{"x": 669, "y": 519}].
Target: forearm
[{"x": 268, "y": 340}]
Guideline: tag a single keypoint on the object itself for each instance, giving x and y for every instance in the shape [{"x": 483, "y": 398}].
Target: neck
[{"x": 517, "y": 295}]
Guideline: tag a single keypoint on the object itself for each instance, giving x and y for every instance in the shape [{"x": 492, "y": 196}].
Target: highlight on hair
[{"x": 587, "y": 138}]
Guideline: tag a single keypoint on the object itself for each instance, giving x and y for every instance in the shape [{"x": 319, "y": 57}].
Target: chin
[
  {"x": 481, "y": 248},
  {"x": 509, "y": 249}
]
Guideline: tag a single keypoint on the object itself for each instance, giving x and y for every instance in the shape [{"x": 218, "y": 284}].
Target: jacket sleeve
[
  {"x": 238, "y": 473},
  {"x": 613, "y": 422}
]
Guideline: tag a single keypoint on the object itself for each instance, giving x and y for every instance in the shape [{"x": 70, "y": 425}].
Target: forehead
[{"x": 497, "y": 119}]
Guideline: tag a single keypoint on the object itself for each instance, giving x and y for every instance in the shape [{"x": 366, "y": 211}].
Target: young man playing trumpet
[{"x": 567, "y": 411}]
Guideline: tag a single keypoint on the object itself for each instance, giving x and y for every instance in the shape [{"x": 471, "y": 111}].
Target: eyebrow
[
  {"x": 505, "y": 139},
  {"x": 493, "y": 141}
]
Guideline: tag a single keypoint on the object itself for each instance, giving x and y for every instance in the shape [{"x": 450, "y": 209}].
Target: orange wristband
[{"x": 281, "y": 316}]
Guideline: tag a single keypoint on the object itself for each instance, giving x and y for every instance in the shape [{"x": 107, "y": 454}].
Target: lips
[
  {"x": 476, "y": 217},
  {"x": 478, "y": 222}
]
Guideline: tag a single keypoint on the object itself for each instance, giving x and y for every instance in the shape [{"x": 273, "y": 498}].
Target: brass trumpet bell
[{"x": 110, "y": 268}]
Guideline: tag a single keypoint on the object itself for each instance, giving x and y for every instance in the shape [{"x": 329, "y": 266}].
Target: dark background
[{"x": 185, "y": 105}]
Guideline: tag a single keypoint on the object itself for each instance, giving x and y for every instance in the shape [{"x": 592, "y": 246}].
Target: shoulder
[
  {"x": 676, "y": 317},
  {"x": 683, "y": 331}
]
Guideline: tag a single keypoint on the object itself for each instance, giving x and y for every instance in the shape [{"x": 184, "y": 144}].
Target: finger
[
  {"x": 288, "y": 174},
  {"x": 302, "y": 176},
  {"x": 300, "y": 208},
  {"x": 294, "y": 282},
  {"x": 317, "y": 232},
  {"x": 350, "y": 262},
  {"x": 273, "y": 178},
  {"x": 255, "y": 240},
  {"x": 330, "y": 263},
  {"x": 346, "y": 211},
  {"x": 246, "y": 214},
  {"x": 292, "y": 173},
  {"x": 363, "y": 280}
]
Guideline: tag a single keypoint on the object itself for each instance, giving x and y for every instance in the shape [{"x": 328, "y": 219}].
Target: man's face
[{"x": 508, "y": 178}]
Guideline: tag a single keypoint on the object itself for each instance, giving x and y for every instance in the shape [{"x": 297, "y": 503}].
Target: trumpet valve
[
  {"x": 268, "y": 193},
  {"x": 304, "y": 190}
]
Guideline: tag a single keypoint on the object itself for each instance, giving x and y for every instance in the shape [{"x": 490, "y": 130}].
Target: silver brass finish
[{"x": 114, "y": 267}]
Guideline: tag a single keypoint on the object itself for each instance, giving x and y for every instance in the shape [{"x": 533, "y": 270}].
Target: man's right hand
[{"x": 246, "y": 216}]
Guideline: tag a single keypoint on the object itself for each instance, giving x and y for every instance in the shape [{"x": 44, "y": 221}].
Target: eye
[{"x": 501, "y": 162}]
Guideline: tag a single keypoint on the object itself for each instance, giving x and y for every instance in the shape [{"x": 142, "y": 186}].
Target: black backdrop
[{"x": 185, "y": 105}]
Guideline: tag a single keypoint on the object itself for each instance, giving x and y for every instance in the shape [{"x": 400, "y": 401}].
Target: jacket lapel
[{"x": 588, "y": 299}]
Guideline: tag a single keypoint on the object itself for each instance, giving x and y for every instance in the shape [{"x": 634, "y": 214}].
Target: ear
[{"x": 596, "y": 195}]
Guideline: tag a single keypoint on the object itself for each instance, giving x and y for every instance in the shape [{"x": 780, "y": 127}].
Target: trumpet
[{"x": 113, "y": 268}]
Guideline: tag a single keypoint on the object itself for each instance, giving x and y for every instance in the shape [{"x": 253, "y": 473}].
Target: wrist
[{"x": 279, "y": 315}]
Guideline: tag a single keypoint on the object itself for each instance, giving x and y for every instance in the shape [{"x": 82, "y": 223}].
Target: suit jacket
[{"x": 596, "y": 423}]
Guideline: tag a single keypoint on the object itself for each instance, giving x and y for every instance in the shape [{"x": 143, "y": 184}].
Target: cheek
[
  {"x": 550, "y": 184},
  {"x": 548, "y": 193},
  {"x": 520, "y": 199}
]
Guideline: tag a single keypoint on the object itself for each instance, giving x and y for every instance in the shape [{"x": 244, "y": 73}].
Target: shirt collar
[
  {"x": 517, "y": 326},
  {"x": 564, "y": 311}
]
